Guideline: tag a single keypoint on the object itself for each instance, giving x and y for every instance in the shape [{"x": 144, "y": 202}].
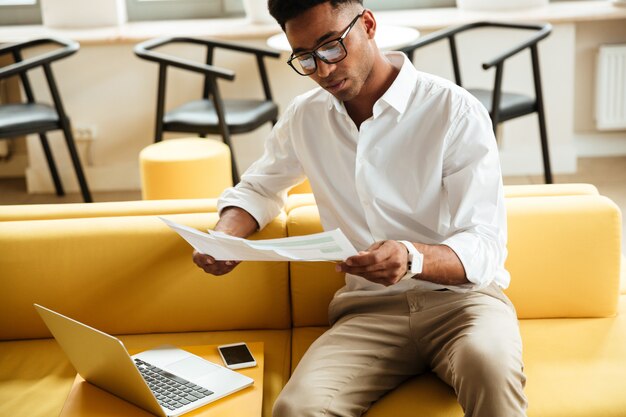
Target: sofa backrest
[
  {"x": 131, "y": 275},
  {"x": 564, "y": 260},
  {"x": 527, "y": 190},
  {"x": 107, "y": 209},
  {"x": 564, "y": 256}
]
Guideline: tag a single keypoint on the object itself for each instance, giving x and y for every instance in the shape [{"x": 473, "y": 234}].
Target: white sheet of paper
[{"x": 325, "y": 246}]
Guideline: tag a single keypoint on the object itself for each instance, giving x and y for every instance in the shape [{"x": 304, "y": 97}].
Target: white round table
[{"x": 387, "y": 38}]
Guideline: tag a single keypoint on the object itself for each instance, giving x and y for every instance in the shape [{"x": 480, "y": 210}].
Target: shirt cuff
[
  {"x": 467, "y": 247},
  {"x": 258, "y": 207}
]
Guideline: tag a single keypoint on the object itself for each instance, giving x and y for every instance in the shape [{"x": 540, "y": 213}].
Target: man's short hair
[{"x": 284, "y": 10}]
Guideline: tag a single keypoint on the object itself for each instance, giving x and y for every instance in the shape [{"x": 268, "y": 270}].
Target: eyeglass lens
[{"x": 330, "y": 53}]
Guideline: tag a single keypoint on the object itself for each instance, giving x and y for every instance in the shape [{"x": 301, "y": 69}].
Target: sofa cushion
[
  {"x": 575, "y": 368},
  {"x": 132, "y": 275},
  {"x": 313, "y": 284},
  {"x": 35, "y": 376}
]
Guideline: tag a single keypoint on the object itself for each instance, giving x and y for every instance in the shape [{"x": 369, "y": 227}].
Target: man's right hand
[
  {"x": 233, "y": 221},
  {"x": 209, "y": 265}
]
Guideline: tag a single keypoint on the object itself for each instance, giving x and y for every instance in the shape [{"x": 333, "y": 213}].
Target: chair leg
[
  {"x": 158, "y": 134},
  {"x": 71, "y": 146},
  {"x": 547, "y": 171},
  {"x": 58, "y": 186},
  {"x": 233, "y": 163}
]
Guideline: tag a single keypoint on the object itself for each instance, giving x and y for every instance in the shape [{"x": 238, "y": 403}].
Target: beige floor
[{"x": 608, "y": 174}]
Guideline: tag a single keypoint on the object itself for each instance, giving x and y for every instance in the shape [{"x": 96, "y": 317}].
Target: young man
[{"x": 407, "y": 166}]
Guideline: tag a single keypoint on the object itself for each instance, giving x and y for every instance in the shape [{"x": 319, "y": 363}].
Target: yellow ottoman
[{"x": 185, "y": 168}]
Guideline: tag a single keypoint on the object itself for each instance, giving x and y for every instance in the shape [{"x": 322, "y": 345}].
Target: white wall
[{"x": 106, "y": 87}]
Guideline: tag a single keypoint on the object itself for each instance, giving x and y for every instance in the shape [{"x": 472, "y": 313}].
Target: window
[
  {"x": 20, "y": 12},
  {"x": 414, "y": 4},
  {"x": 28, "y": 12},
  {"x": 182, "y": 9},
  {"x": 407, "y": 4}
]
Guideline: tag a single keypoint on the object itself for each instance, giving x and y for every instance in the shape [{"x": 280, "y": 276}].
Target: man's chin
[{"x": 342, "y": 94}]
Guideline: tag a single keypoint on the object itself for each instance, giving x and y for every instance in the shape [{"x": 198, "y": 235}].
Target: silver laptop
[{"x": 165, "y": 381}]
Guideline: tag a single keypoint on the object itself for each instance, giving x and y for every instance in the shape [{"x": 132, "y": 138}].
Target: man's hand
[
  {"x": 211, "y": 266},
  {"x": 233, "y": 221},
  {"x": 384, "y": 262}
]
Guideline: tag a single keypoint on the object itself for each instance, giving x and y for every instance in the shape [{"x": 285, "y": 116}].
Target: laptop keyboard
[{"x": 171, "y": 391}]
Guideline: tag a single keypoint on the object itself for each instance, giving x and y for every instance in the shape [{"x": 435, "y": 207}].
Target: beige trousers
[{"x": 470, "y": 340}]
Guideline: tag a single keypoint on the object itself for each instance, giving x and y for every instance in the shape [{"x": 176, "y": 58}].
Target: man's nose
[{"x": 324, "y": 69}]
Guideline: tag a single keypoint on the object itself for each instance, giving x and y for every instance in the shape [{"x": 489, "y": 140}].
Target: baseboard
[
  {"x": 110, "y": 178},
  {"x": 600, "y": 144},
  {"x": 14, "y": 167}
]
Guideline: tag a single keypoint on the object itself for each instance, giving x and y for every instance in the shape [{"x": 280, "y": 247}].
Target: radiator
[{"x": 611, "y": 88}]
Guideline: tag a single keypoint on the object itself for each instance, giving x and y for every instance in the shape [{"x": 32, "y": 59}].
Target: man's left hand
[{"x": 384, "y": 263}]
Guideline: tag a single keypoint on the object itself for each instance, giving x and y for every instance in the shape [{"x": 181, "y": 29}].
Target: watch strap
[{"x": 416, "y": 258}]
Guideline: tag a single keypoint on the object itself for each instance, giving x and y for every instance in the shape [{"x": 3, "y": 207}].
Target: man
[{"x": 406, "y": 165}]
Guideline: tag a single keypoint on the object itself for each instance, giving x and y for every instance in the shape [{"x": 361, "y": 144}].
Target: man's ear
[{"x": 370, "y": 23}]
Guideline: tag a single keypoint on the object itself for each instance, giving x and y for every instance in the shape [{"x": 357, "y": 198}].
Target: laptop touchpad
[{"x": 193, "y": 367}]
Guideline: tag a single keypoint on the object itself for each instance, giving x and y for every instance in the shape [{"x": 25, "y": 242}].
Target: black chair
[
  {"x": 34, "y": 117},
  {"x": 502, "y": 106},
  {"x": 211, "y": 114}
]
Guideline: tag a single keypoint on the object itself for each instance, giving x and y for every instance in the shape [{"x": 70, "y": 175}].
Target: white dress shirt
[{"x": 423, "y": 168}]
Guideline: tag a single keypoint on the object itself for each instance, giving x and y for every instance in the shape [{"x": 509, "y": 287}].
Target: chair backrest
[
  {"x": 541, "y": 31},
  {"x": 21, "y": 66},
  {"x": 146, "y": 50},
  {"x": 39, "y": 118}
]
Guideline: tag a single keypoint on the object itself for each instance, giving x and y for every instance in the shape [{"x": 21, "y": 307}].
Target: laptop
[{"x": 165, "y": 381}]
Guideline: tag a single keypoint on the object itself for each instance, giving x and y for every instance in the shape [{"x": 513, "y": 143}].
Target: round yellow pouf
[{"x": 185, "y": 168}]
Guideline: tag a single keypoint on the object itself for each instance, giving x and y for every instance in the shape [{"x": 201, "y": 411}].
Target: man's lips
[{"x": 335, "y": 85}]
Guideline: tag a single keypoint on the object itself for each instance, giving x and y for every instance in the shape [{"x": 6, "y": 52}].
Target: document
[{"x": 326, "y": 246}]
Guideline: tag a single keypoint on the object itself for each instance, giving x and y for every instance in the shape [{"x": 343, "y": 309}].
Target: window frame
[
  {"x": 20, "y": 12},
  {"x": 378, "y": 5},
  {"x": 143, "y": 10}
]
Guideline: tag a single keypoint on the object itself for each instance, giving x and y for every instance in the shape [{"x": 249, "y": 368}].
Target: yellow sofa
[{"x": 123, "y": 271}]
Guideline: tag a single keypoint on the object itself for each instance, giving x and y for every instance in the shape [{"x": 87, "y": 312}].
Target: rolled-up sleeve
[
  {"x": 263, "y": 188},
  {"x": 473, "y": 183}
]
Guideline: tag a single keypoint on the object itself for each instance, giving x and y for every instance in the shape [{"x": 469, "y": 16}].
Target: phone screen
[{"x": 236, "y": 354}]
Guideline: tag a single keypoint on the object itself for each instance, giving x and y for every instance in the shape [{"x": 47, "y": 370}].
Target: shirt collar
[
  {"x": 397, "y": 95},
  {"x": 400, "y": 91}
]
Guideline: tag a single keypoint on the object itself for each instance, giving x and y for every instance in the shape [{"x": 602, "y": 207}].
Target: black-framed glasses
[{"x": 329, "y": 52}]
